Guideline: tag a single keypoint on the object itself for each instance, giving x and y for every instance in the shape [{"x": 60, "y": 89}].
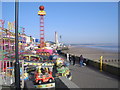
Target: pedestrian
[
  {"x": 73, "y": 57},
  {"x": 81, "y": 60},
  {"x": 70, "y": 58},
  {"x": 67, "y": 56}
]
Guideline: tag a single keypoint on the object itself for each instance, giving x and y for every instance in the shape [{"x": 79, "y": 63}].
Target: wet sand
[{"x": 92, "y": 53}]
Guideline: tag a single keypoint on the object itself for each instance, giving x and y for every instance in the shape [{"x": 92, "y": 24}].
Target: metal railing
[{"x": 7, "y": 72}]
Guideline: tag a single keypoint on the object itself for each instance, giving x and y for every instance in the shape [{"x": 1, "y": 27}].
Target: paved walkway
[{"x": 88, "y": 77}]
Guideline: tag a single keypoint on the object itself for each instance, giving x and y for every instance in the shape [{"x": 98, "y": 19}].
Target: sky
[{"x": 76, "y": 22}]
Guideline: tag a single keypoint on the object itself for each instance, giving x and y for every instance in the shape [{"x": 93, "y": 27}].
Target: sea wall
[
  {"x": 114, "y": 70},
  {"x": 105, "y": 67}
]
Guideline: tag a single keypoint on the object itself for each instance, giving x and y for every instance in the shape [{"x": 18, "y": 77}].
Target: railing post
[{"x": 101, "y": 62}]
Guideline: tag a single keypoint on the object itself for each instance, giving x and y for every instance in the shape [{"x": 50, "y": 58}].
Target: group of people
[{"x": 71, "y": 58}]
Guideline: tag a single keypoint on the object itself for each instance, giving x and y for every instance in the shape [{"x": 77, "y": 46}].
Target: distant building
[{"x": 56, "y": 39}]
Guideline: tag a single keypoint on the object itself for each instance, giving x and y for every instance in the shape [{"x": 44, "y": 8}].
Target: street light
[{"x": 17, "y": 68}]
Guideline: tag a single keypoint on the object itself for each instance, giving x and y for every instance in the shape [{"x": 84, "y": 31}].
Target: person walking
[
  {"x": 70, "y": 58},
  {"x": 67, "y": 56},
  {"x": 81, "y": 61},
  {"x": 73, "y": 59}
]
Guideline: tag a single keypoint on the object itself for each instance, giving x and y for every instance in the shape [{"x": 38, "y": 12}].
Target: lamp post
[{"x": 17, "y": 68}]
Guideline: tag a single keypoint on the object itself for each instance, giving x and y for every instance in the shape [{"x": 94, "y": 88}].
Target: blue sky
[{"x": 78, "y": 22}]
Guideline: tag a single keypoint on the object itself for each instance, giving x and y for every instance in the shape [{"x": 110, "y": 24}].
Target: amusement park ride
[
  {"x": 42, "y": 13},
  {"x": 7, "y": 37},
  {"x": 40, "y": 63}
]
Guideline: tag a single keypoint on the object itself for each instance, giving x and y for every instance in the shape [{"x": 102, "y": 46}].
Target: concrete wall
[{"x": 105, "y": 67}]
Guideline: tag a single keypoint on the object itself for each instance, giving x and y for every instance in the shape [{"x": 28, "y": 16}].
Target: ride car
[{"x": 43, "y": 75}]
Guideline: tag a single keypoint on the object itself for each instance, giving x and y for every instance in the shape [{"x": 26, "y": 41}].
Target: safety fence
[{"x": 6, "y": 72}]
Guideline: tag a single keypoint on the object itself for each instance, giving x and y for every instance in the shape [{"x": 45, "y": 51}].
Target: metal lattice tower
[
  {"x": 42, "y": 13},
  {"x": 41, "y": 31}
]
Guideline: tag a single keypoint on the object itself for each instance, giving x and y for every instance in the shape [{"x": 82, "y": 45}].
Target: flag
[
  {"x": 11, "y": 26},
  {"x": 2, "y": 23}
]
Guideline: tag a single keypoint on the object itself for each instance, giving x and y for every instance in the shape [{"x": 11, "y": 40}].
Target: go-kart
[{"x": 43, "y": 76}]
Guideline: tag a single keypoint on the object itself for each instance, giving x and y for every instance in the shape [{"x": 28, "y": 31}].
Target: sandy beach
[{"x": 92, "y": 53}]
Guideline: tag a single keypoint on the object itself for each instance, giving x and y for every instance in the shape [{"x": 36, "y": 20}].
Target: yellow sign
[{"x": 41, "y": 13}]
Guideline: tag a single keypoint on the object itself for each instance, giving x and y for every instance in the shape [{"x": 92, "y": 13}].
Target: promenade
[{"x": 89, "y": 77}]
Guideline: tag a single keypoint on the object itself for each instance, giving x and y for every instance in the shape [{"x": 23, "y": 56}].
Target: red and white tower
[{"x": 42, "y": 13}]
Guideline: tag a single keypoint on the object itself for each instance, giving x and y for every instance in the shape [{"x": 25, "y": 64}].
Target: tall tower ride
[{"x": 42, "y": 13}]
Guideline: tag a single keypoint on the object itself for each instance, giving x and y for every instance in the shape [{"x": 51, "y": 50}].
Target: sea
[{"x": 108, "y": 47}]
